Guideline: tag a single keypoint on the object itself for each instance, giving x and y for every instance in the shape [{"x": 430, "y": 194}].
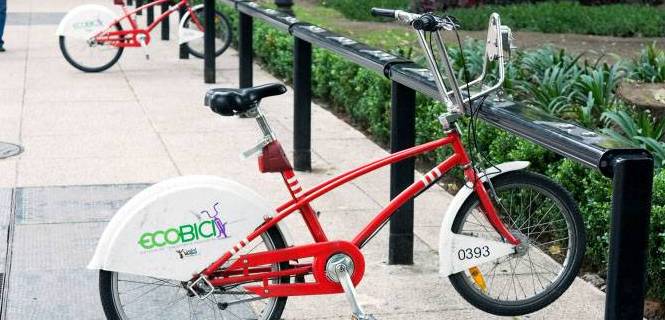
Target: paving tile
[
  {"x": 72, "y": 204},
  {"x": 61, "y": 171},
  {"x": 8, "y": 170},
  {"x": 62, "y": 246},
  {"x": 54, "y": 296},
  {"x": 94, "y": 145},
  {"x": 95, "y": 119}
]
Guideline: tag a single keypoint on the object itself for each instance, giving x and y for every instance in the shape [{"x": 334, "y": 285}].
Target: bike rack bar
[
  {"x": 277, "y": 19},
  {"x": 183, "y": 53},
  {"x": 150, "y": 18},
  {"x": 245, "y": 50},
  {"x": 166, "y": 32},
  {"x": 302, "y": 105},
  {"x": 402, "y": 136},
  {"x": 209, "y": 42},
  {"x": 629, "y": 235},
  {"x": 359, "y": 53},
  {"x": 631, "y": 169}
]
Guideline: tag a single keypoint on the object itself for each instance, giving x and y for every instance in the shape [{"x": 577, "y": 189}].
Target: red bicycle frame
[
  {"x": 128, "y": 38},
  {"x": 257, "y": 266}
]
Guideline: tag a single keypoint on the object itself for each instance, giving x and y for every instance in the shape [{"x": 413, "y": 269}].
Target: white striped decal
[
  {"x": 239, "y": 246},
  {"x": 431, "y": 176},
  {"x": 294, "y": 185}
]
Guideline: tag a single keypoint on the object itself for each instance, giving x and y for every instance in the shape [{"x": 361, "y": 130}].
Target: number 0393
[{"x": 473, "y": 253}]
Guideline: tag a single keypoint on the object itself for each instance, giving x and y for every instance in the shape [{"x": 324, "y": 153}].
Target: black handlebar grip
[
  {"x": 380, "y": 12},
  {"x": 426, "y": 22}
]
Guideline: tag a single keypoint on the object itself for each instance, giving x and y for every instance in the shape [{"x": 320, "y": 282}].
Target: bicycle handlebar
[
  {"x": 399, "y": 15},
  {"x": 429, "y": 23},
  {"x": 381, "y": 12}
]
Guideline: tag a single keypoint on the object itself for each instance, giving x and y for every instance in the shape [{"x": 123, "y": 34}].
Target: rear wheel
[
  {"x": 222, "y": 32},
  {"x": 545, "y": 218},
  {"x": 128, "y": 297},
  {"x": 89, "y": 55}
]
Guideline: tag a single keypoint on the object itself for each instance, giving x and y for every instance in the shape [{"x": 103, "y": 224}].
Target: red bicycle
[
  {"x": 92, "y": 37},
  {"x": 202, "y": 247}
]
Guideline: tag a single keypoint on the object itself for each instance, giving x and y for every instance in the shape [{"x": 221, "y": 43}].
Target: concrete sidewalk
[{"x": 93, "y": 140}]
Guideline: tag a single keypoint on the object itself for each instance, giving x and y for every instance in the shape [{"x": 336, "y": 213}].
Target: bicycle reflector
[{"x": 119, "y": 2}]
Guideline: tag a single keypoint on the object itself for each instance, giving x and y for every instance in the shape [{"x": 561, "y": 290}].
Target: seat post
[{"x": 263, "y": 124}]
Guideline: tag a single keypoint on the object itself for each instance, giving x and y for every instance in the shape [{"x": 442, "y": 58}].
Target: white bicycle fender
[
  {"x": 85, "y": 21},
  {"x": 453, "y": 248},
  {"x": 187, "y": 35},
  {"x": 178, "y": 227}
]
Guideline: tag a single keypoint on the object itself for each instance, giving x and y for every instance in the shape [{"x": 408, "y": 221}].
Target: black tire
[
  {"x": 77, "y": 65},
  {"x": 573, "y": 257},
  {"x": 222, "y": 24},
  {"x": 106, "y": 283}
]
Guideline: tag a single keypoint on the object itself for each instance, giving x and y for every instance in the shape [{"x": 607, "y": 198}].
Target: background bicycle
[{"x": 92, "y": 37}]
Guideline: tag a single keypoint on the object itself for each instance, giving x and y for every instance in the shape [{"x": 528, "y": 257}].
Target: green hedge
[
  {"x": 623, "y": 20},
  {"x": 365, "y": 97}
]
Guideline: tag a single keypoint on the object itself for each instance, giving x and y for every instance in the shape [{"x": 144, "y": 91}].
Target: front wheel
[
  {"x": 545, "y": 218},
  {"x": 133, "y": 297},
  {"x": 196, "y": 23}
]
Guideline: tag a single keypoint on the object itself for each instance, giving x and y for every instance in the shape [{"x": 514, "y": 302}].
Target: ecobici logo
[
  {"x": 87, "y": 24},
  {"x": 186, "y": 233}
]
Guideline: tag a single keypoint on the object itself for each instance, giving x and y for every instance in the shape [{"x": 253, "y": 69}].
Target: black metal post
[
  {"x": 151, "y": 15},
  {"x": 165, "y": 22},
  {"x": 629, "y": 236},
  {"x": 302, "y": 105},
  {"x": 209, "y": 42},
  {"x": 245, "y": 50},
  {"x": 139, "y": 3},
  {"x": 402, "y": 136},
  {"x": 184, "y": 53}
]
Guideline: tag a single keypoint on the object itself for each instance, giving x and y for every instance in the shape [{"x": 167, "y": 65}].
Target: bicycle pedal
[{"x": 201, "y": 288}]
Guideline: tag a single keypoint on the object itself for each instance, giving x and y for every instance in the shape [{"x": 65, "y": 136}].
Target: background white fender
[
  {"x": 186, "y": 35},
  {"x": 450, "y": 243},
  {"x": 85, "y": 21},
  {"x": 169, "y": 230}
]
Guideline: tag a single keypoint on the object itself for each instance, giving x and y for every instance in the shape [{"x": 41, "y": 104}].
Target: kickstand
[
  {"x": 350, "y": 293},
  {"x": 142, "y": 43}
]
